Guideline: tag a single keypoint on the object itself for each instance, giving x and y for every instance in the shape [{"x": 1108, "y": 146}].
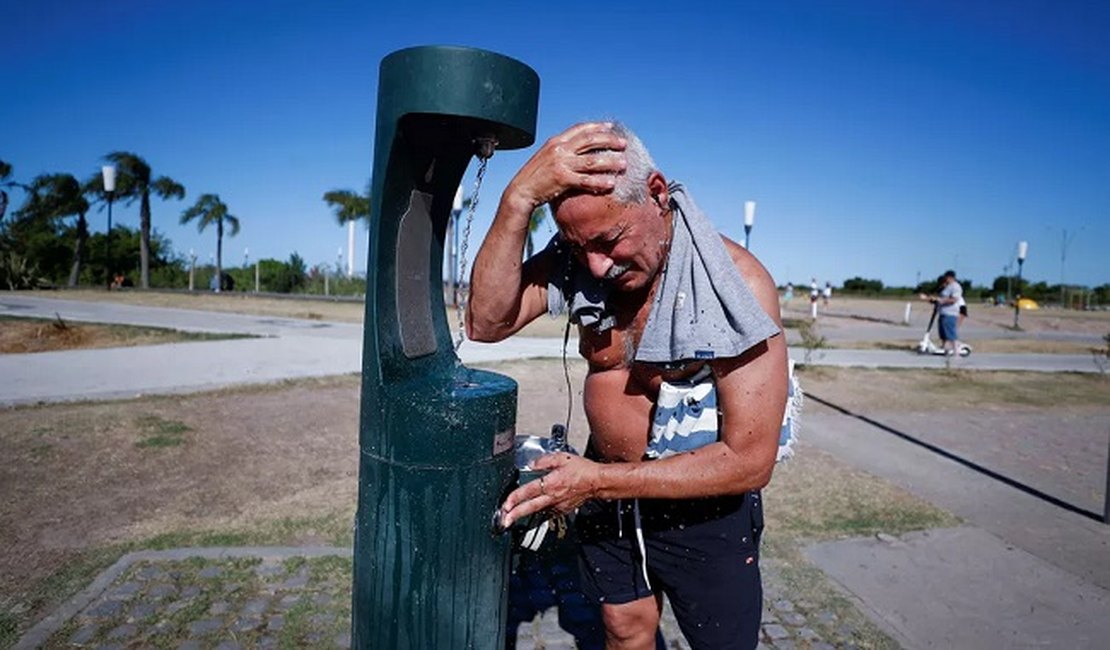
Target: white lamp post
[
  {"x": 108, "y": 175},
  {"x": 350, "y": 249},
  {"x": 192, "y": 268},
  {"x": 749, "y": 219},
  {"x": 1023, "y": 249}
]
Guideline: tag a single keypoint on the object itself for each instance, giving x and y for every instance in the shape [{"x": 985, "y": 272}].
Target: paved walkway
[
  {"x": 292, "y": 348},
  {"x": 1021, "y": 572}
]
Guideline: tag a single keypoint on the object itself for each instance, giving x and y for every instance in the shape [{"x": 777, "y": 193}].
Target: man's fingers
[
  {"x": 599, "y": 141},
  {"x": 602, "y": 162},
  {"x": 525, "y": 508}
]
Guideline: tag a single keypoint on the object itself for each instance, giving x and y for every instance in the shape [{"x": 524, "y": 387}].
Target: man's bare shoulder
[{"x": 756, "y": 275}]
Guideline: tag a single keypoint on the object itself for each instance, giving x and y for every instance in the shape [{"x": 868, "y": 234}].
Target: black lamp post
[
  {"x": 749, "y": 219},
  {"x": 1023, "y": 248},
  {"x": 108, "y": 174}
]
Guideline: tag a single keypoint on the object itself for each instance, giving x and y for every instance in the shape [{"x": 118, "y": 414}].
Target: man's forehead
[{"x": 588, "y": 217}]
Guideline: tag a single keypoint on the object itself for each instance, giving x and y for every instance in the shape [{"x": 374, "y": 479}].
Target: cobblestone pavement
[{"x": 268, "y": 598}]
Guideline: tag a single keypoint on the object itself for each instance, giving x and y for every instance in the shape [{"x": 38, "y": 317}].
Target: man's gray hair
[{"x": 631, "y": 186}]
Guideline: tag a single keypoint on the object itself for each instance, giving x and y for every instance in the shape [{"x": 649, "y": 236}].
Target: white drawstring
[
  {"x": 640, "y": 539},
  {"x": 620, "y": 522}
]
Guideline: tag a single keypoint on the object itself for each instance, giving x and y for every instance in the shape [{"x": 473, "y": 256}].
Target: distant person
[
  {"x": 963, "y": 313},
  {"x": 814, "y": 292},
  {"x": 826, "y": 293},
  {"x": 117, "y": 281},
  {"x": 789, "y": 295},
  {"x": 948, "y": 311}
]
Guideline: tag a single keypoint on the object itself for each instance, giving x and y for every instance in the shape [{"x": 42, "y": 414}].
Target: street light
[
  {"x": 1023, "y": 248},
  {"x": 192, "y": 268},
  {"x": 108, "y": 175},
  {"x": 749, "y": 219}
]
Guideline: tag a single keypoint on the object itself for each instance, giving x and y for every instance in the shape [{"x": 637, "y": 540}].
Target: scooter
[{"x": 926, "y": 345}]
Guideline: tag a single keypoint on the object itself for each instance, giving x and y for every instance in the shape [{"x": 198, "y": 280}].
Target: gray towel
[{"x": 703, "y": 308}]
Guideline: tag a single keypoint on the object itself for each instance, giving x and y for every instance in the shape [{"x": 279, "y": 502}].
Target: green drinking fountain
[{"x": 435, "y": 437}]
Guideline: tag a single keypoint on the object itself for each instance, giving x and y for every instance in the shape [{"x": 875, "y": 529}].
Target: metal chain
[{"x": 485, "y": 152}]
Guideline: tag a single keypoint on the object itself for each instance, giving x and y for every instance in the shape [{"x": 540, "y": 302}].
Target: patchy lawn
[{"x": 25, "y": 335}]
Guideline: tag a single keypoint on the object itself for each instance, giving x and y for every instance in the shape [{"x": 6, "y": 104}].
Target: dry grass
[
  {"x": 891, "y": 310},
  {"x": 343, "y": 311},
  {"x": 922, "y": 390},
  {"x": 27, "y": 335}
]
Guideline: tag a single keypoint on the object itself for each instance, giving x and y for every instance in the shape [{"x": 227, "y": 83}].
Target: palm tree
[
  {"x": 209, "y": 209},
  {"x": 134, "y": 181},
  {"x": 5, "y": 176},
  {"x": 534, "y": 220},
  {"x": 57, "y": 196},
  {"x": 349, "y": 206}
]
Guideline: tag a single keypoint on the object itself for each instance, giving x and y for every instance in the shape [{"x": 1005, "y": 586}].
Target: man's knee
[{"x": 631, "y": 625}]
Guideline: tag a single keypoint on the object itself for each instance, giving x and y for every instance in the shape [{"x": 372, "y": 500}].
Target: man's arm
[
  {"x": 751, "y": 394},
  {"x": 505, "y": 294}
]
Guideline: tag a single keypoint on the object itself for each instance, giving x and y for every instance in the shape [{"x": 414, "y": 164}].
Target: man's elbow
[{"x": 485, "y": 332}]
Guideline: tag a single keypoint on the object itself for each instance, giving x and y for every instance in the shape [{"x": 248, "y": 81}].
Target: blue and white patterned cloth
[{"x": 686, "y": 416}]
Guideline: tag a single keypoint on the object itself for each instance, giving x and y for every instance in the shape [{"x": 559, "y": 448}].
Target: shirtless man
[{"x": 687, "y": 524}]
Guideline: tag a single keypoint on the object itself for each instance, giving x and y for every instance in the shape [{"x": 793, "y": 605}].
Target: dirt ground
[
  {"x": 1002, "y": 318},
  {"x": 26, "y": 335},
  {"x": 86, "y": 475},
  {"x": 310, "y": 308},
  {"x": 1050, "y": 432}
]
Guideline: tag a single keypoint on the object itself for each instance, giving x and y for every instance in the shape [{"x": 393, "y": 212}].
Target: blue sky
[{"x": 881, "y": 139}]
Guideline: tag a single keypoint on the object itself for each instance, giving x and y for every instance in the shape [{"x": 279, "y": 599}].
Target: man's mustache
[{"x": 616, "y": 271}]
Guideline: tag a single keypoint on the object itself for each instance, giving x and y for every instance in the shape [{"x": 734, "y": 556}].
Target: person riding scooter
[{"x": 947, "y": 311}]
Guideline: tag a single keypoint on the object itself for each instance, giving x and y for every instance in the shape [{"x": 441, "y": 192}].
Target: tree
[
  {"x": 34, "y": 234},
  {"x": 348, "y": 205},
  {"x": 55, "y": 197},
  {"x": 534, "y": 220},
  {"x": 134, "y": 181},
  {"x": 6, "y": 182},
  {"x": 209, "y": 209},
  {"x": 863, "y": 285},
  {"x": 5, "y": 174}
]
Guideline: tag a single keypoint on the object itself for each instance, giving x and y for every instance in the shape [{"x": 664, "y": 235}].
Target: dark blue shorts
[
  {"x": 702, "y": 553},
  {"x": 947, "y": 328}
]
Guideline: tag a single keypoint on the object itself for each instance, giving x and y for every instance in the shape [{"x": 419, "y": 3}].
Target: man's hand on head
[{"x": 584, "y": 158}]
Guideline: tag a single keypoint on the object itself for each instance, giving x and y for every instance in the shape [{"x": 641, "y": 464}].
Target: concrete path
[
  {"x": 295, "y": 348},
  {"x": 1013, "y": 577},
  {"x": 965, "y": 588},
  {"x": 290, "y": 348}
]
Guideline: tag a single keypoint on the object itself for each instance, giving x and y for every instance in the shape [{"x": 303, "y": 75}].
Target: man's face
[{"x": 622, "y": 244}]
